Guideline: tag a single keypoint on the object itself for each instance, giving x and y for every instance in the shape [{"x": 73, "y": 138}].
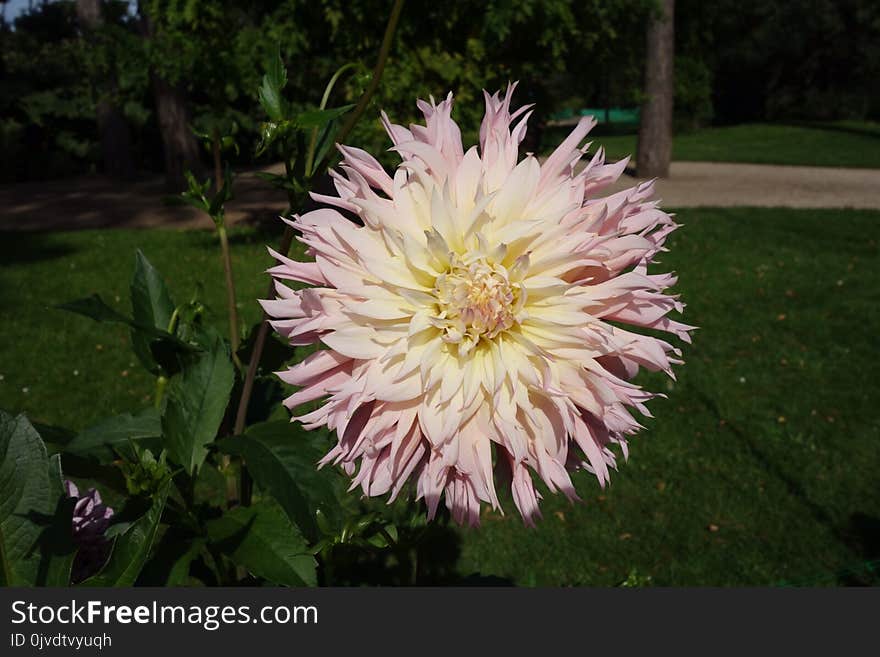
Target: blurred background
[
  {"x": 760, "y": 119},
  {"x": 106, "y": 86}
]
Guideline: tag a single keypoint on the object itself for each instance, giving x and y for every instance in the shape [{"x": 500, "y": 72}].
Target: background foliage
[{"x": 736, "y": 61}]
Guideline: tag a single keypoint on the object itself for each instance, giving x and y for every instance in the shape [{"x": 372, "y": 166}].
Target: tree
[
  {"x": 655, "y": 132},
  {"x": 112, "y": 127},
  {"x": 179, "y": 145}
]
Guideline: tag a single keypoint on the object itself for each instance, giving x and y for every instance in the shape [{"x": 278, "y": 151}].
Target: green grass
[
  {"x": 760, "y": 467},
  {"x": 838, "y": 144},
  {"x": 67, "y": 370}
]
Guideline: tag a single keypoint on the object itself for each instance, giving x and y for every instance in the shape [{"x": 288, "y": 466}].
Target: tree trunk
[
  {"x": 112, "y": 127},
  {"x": 655, "y": 132},
  {"x": 179, "y": 145}
]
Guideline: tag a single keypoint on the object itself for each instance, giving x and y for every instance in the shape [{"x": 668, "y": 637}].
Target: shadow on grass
[
  {"x": 22, "y": 248},
  {"x": 431, "y": 563},
  {"x": 861, "y": 131},
  {"x": 864, "y": 535},
  {"x": 861, "y": 536},
  {"x": 265, "y": 222}
]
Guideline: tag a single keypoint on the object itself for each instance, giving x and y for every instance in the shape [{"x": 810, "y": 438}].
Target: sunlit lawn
[
  {"x": 837, "y": 144},
  {"x": 761, "y": 466}
]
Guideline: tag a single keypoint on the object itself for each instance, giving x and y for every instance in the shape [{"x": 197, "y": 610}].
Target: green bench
[{"x": 615, "y": 115}]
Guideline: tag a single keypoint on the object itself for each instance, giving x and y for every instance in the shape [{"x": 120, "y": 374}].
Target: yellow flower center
[{"x": 475, "y": 300}]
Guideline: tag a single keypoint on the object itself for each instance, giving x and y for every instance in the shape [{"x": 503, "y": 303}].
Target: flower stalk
[{"x": 234, "y": 338}]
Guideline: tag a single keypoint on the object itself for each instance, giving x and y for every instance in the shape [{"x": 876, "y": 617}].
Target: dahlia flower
[{"x": 476, "y": 306}]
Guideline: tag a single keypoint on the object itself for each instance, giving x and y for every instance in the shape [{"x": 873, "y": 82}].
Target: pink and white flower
[{"x": 467, "y": 321}]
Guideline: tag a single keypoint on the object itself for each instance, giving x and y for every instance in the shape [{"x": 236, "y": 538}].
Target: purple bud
[{"x": 91, "y": 517}]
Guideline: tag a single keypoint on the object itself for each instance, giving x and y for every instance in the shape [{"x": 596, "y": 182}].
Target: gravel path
[
  {"x": 721, "y": 184},
  {"x": 95, "y": 202}
]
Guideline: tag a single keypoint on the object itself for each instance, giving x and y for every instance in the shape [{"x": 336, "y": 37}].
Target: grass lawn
[
  {"x": 760, "y": 467},
  {"x": 837, "y": 144}
]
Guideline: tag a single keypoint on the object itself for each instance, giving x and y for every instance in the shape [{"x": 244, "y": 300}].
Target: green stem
[
  {"x": 384, "y": 50},
  {"x": 218, "y": 164},
  {"x": 172, "y": 323},
  {"x": 414, "y": 573},
  {"x": 259, "y": 344},
  {"x": 161, "y": 384},
  {"x": 232, "y": 492},
  {"x": 313, "y": 141},
  {"x": 162, "y": 380},
  {"x": 230, "y": 292}
]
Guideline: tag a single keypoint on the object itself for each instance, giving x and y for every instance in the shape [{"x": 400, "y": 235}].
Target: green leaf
[
  {"x": 263, "y": 540},
  {"x": 56, "y": 540},
  {"x": 151, "y": 303},
  {"x": 185, "y": 198},
  {"x": 53, "y": 436},
  {"x": 229, "y": 142},
  {"x": 318, "y": 118},
  {"x": 276, "y": 72},
  {"x": 274, "y": 81},
  {"x": 94, "y": 308},
  {"x": 115, "y": 434},
  {"x": 132, "y": 547},
  {"x": 278, "y": 182},
  {"x": 197, "y": 400},
  {"x": 276, "y": 352},
  {"x": 35, "y": 515},
  {"x": 178, "y": 573},
  {"x": 270, "y": 132},
  {"x": 221, "y": 196},
  {"x": 151, "y": 306},
  {"x": 87, "y": 472},
  {"x": 324, "y": 143},
  {"x": 172, "y": 557},
  {"x": 284, "y": 462}
]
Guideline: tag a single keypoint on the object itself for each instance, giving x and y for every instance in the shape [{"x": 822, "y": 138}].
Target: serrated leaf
[
  {"x": 284, "y": 462},
  {"x": 35, "y": 546},
  {"x": 197, "y": 400},
  {"x": 116, "y": 434},
  {"x": 132, "y": 547},
  {"x": 276, "y": 71},
  {"x": 262, "y": 539}
]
